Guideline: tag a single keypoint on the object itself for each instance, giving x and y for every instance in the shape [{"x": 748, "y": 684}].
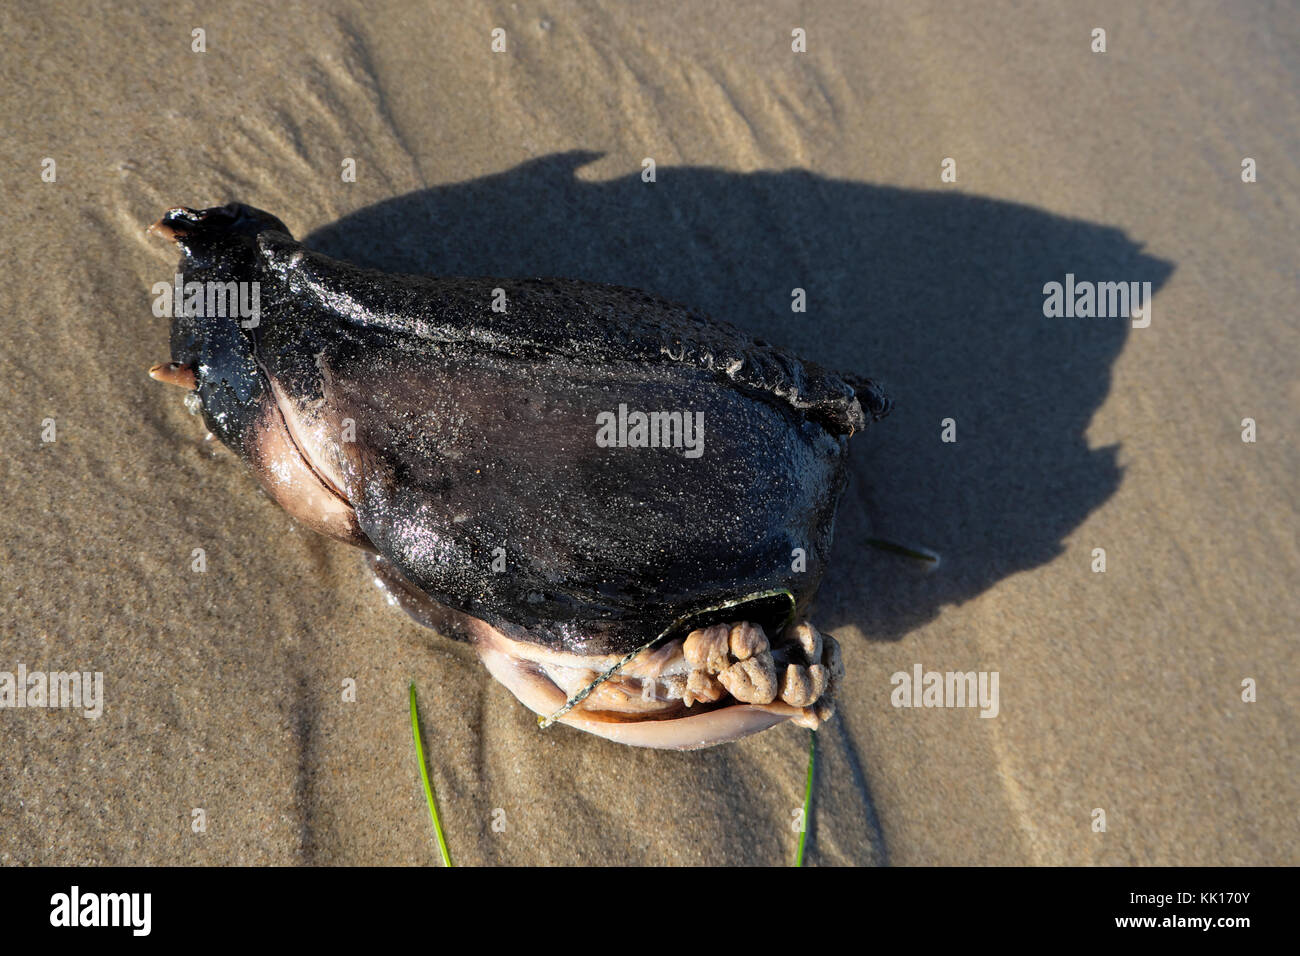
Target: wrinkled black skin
[{"x": 466, "y": 413}]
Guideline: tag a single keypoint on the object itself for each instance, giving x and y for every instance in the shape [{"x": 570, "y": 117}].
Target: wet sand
[{"x": 1119, "y": 691}]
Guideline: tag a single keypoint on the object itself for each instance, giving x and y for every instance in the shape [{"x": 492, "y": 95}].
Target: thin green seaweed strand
[
  {"x": 428, "y": 787},
  {"x": 807, "y": 796},
  {"x": 929, "y": 557}
]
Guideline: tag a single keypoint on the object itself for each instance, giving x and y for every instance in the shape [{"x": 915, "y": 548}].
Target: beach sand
[{"x": 1119, "y": 691}]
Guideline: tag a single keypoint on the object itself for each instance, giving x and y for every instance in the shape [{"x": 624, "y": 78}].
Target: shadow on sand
[{"x": 937, "y": 295}]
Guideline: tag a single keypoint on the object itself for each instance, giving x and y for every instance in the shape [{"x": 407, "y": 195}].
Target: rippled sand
[{"x": 775, "y": 170}]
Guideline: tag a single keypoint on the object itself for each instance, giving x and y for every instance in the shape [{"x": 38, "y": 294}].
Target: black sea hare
[{"x": 584, "y": 481}]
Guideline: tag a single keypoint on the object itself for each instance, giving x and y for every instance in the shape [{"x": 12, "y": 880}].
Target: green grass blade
[
  {"x": 807, "y": 795},
  {"x": 428, "y": 787}
]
